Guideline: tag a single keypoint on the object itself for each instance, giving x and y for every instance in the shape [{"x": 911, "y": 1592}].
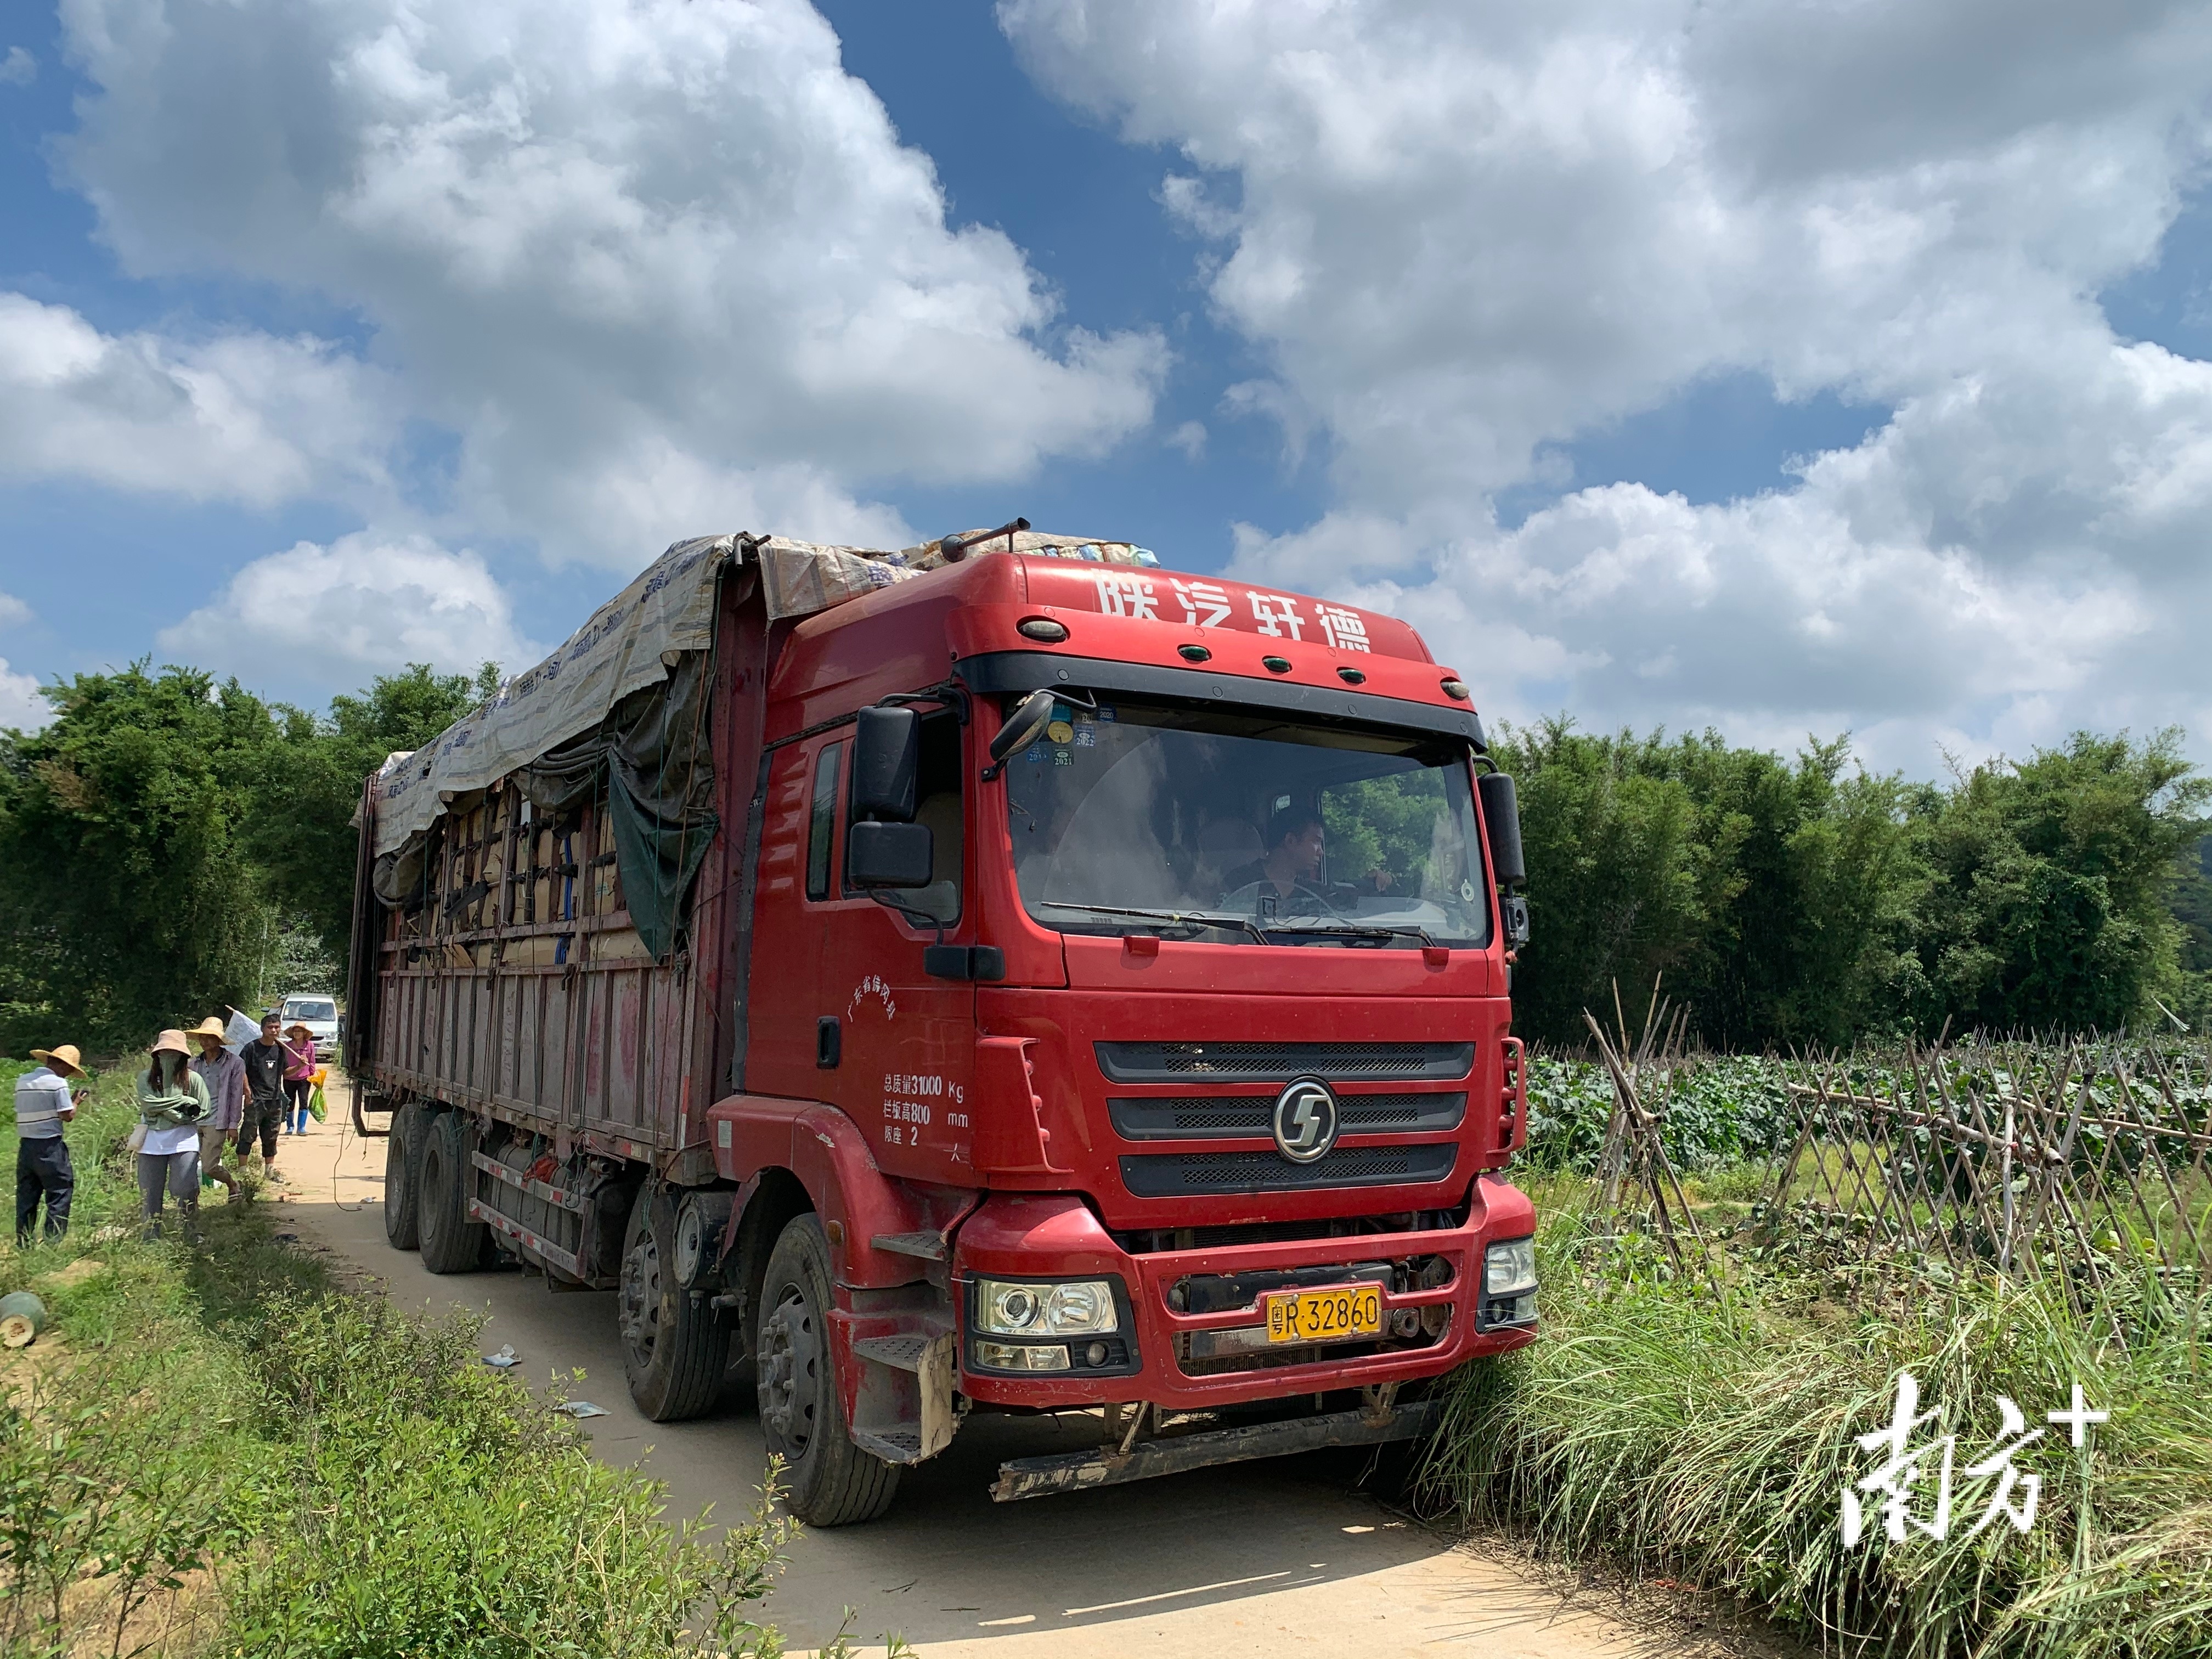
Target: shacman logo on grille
[{"x": 1305, "y": 1120}]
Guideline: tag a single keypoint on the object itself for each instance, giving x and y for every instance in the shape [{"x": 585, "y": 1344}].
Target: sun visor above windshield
[
  {"x": 1212, "y": 602},
  {"x": 1003, "y": 672}
]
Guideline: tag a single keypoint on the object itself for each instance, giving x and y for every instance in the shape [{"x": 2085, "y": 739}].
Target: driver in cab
[{"x": 1285, "y": 880}]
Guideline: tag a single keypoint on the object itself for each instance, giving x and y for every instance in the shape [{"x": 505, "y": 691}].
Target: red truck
[{"x": 1004, "y": 975}]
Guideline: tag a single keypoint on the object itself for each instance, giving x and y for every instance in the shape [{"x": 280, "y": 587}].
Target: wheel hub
[
  {"x": 790, "y": 1370},
  {"x": 638, "y": 1300}
]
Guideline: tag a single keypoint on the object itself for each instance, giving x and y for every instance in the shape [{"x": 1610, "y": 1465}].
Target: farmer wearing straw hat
[
  {"x": 173, "y": 1102},
  {"x": 44, "y": 1101},
  {"x": 224, "y": 1073},
  {"x": 299, "y": 1076}
]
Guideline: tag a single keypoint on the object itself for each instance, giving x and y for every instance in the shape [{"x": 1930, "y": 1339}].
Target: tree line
[
  {"x": 1806, "y": 902},
  {"x": 168, "y": 841}
]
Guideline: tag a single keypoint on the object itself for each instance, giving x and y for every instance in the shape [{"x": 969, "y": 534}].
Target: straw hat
[
  {"x": 172, "y": 1042},
  {"x": 301, "y": 1030},
  {"x": 209, "y": 1027},
  {"x": 64, "y": 1059}
]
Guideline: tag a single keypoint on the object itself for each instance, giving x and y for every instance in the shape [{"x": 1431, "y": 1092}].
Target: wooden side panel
[{"x": 626, "y": 990}]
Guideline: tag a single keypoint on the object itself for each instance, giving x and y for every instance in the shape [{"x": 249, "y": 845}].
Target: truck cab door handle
[{"x": 828, "y": 1043}]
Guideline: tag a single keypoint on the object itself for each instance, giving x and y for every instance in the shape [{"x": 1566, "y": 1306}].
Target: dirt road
[{"x": 1265, "y": 1559}]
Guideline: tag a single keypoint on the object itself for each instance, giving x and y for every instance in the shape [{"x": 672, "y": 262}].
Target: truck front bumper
[{"x": 1192, "y": 1332}]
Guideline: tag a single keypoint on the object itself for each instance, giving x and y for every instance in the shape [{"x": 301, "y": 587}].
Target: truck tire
[
  {"x": 403, "y": 1177},
  {"x": 828, "y": 1480},
  {"x": 451, "y": 1243},
  {"x": 675, "y": 1348}
]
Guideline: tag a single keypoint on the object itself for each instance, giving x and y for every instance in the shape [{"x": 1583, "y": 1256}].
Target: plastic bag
[{"x": 316, "y": 1108}]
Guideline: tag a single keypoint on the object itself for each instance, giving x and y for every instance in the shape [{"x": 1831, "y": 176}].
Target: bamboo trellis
[
  {"x": 2088, "y": 1162},
  {"x": 2091, "y": 1161}
]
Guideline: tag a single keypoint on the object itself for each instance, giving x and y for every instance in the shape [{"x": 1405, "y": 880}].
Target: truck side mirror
[
  {"x": 1501, "y": 821},
  {"x": 889, "y": 854},
  {"x": 886, "y": 761},
  {"x": 1022, "y": 727}
]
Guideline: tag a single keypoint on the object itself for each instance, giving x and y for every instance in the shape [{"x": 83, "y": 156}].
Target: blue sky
[{"x": 1663, "y": 368}]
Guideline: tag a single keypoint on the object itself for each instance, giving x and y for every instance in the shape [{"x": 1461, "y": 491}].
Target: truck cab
[{"x": 1120, "y": 1020}]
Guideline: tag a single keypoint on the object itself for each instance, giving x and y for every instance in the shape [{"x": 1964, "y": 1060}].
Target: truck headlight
[
  {"x": 1082, "y": 1306},
  {"x": 1509, "y": 1265}
]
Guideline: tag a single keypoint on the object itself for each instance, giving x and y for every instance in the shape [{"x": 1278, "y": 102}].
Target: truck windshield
[{"x": 1238, "y": 825}]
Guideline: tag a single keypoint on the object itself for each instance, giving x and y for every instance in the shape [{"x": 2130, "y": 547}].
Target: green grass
[
  {"x": 214, "y": 1450},
  {"x": 1656, "y": 1427}
]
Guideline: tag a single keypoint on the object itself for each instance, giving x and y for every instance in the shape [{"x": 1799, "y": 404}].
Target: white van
[{"x": 320, "y": 1016}]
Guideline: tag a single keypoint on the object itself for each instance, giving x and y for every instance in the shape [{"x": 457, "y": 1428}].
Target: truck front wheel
[
  {"x": 403, "y": 1177},
  {"x": 451, "y": 1243},
  {"x": 675, "y": 1347},
  {"x": 829, "y": 1481}
]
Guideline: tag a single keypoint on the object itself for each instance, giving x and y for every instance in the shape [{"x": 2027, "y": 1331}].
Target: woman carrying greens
[{"x": 173, "y": 1099}]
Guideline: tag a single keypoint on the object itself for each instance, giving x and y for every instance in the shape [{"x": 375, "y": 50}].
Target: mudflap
[{"x": 1034, "y": 1477}]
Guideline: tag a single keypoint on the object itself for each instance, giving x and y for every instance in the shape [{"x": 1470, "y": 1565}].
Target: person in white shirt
[
  {"x": 43, "y": 1103},
  {"x": 173, "y": 1100}
]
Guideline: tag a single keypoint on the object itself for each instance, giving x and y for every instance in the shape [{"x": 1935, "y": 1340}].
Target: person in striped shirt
[{"x": 43, "y": 1103}]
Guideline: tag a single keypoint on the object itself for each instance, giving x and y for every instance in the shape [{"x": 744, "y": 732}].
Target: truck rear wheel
[
  {"x": 403, "y": 1177},
  {"x": 674, "y": 1347},
  {"x": 451, "y": 1243},
  {"x": 829, "y": 1481}
]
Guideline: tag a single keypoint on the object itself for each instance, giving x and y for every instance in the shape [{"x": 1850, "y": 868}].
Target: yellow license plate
[{"x": 1326, "y": 1316}]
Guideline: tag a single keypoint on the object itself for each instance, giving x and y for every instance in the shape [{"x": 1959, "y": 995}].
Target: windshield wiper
[
  {"x": 1173, "y": 918},
  {"x": 1357, "y": 930}
]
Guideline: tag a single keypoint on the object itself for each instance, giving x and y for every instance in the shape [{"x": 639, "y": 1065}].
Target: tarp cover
[
  {"x": 630, "y": 642},
  {"x": 599, "y": 702},
  {"x": 654, "y": 753}
]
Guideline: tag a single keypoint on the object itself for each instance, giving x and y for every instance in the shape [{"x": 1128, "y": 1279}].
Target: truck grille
[
  {"x": 1277, "y": 1062},
  {"x": 1211, "y": 1117},
  {"x": 1176, "y": 1175}
]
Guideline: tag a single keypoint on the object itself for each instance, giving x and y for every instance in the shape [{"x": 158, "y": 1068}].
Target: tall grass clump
[{"x": 1711, "y": 1439}]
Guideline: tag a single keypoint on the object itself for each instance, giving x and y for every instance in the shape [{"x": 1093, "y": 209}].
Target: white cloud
[
  {"x": 22, "y": 707},
  {"x": 19, "y": 68},
  {"x": 1190, "y": 438},
  {"x": 662, "y": 267},
  {"x": 1461, "y": 234},
  {"x": 242, "y": 416},
  {"x": 365, "y": 603}
]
